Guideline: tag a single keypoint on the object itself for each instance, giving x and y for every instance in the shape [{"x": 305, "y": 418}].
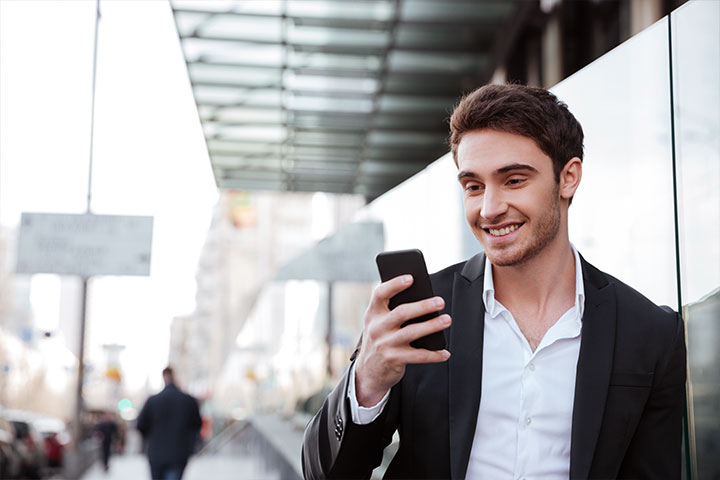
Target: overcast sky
[{"x": 149, "y": 156}]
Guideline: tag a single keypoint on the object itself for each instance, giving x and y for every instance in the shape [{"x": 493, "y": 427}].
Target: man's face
[{"x": 512, "y": 200}]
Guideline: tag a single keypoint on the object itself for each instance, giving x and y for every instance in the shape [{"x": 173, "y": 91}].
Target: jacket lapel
[
  {"x": 593, "y": 369},
  {"x": 465, "y": 364}
]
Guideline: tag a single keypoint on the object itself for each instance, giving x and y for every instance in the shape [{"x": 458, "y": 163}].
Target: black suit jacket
[
  {"x": 170, "y": 423},
  {"x": 629, "y": 393}
]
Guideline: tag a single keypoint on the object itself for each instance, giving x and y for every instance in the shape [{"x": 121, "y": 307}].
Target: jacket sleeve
[
  {"x": 655, "y": 450},
  {"x": 335, "y": 447}
]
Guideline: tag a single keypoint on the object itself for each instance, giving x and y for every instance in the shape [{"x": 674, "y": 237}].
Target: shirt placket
[{"x": 528, "y": 401}]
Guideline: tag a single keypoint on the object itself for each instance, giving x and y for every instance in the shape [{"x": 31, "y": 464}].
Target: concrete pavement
[{"x": 203, "y": 467}]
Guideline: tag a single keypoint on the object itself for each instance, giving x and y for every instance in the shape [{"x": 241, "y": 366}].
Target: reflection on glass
[
  {"x": 622, "y": 217},
  {"x": 696, "y": 76}
]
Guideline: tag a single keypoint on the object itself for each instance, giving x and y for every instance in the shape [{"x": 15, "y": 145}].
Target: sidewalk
[{"x": 205, "y": 467}]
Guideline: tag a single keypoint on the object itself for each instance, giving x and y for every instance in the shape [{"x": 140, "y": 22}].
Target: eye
[
  {"x": 473, "y": 187},
  {"x": 515, "y": 181}
]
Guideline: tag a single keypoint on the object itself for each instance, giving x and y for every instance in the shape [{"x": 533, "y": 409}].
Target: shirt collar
[{"x": 493, "y": 307}]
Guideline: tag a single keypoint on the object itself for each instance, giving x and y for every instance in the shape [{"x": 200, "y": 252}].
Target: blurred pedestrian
[
  {"x": 107, "y": 430},
  {"x": 170, "y": 423}
]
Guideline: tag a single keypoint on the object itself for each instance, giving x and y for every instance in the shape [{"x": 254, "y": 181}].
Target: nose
[{"x": 493, "y": 204}]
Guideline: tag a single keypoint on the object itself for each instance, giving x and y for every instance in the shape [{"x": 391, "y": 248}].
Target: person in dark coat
[
  {"x": 107, "y": 430},
  {"x": 170, "y": 424}
]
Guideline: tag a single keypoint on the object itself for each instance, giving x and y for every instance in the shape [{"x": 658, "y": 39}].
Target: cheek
[{"x": 472, "y": 210}]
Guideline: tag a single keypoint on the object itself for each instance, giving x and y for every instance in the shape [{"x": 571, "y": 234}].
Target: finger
[
  {"x": 386, "y": 290},
  {"x": 412, "y": 332},
  {"x": 420, "y": 355},
  {"x": 408, "y": 311}
]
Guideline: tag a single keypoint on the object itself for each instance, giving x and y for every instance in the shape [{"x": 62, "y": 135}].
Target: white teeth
[{"x": 500, "y": 232}]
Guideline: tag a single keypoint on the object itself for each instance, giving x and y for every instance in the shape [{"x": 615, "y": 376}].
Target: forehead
[{"x": 484, "y": 151}]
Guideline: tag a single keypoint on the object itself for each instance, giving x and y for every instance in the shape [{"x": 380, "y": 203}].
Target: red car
[{"x": 56, "y": 436}]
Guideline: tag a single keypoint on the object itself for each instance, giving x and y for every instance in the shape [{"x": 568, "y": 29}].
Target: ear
[{"x": 570, "y": 178}]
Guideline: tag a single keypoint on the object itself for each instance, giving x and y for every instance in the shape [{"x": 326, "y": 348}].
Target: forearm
[{"x": 335, "y": 447}]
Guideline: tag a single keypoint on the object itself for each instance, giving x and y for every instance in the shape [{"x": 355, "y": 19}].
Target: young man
[{"x": 558, "y": 370}]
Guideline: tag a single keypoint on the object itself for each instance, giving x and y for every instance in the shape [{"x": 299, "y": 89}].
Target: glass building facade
[{"x": 648, "y": 208}]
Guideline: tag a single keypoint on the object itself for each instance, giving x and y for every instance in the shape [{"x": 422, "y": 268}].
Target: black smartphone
[{"x": 402, "y": 262}]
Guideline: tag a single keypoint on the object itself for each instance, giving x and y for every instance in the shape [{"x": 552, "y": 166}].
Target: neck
[{"x": 547, "y": 278}]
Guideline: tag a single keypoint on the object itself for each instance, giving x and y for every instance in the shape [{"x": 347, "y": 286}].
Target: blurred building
[
  {"x": 36, "y": 367},
  {"x": 239, "y": 326}
]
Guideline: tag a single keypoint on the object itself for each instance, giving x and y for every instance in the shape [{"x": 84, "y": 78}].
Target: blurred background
[{"x": 276, "y": 147}]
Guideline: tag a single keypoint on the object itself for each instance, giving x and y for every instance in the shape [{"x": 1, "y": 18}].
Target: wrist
[{"x": 368, "y": 394}]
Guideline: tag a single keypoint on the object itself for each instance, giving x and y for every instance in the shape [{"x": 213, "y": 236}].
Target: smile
[{"x": 501, "y": 232}]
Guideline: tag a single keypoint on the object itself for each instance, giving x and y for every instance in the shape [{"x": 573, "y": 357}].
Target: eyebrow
[{"x": 500, "y": 171}]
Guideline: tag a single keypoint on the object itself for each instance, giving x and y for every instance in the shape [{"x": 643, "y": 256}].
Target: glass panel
[
  {"x": 397, "y": 103},
  {"x": 696, "y": 76},
  {"x": 245, "y": 96},
  {"x": 378, "y": 10},
  {"x": 337, "y": 37},
  {"x": 452, "y": 36},
  {"x": 253, "y": 133},
  {"x": 456, "y": 11},
  {"x": 403, "y": 138},
  {"x": 240, "y": 148},
  {"x": 329, "y": 61},
  {"x": 243, "y": 28},
  {"x": 294, "y": 81},
  {"x": 313, "y": 138},
  {"x": 203, "y": 72},
  {"x": 317, "y": 104},
  {"x": 187, "y": 22},
  {"x": 423, "y": 61},
  {"x": 270, "y": 7},
  {"x": 622, "y": 217},
  {"x": 225, "y": 51},
  {"x": 237, "y": 161},
  {"x": 240, "y": 114}
]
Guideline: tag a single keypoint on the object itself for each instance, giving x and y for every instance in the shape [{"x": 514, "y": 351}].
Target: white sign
[{"x": 85, "y": 244}]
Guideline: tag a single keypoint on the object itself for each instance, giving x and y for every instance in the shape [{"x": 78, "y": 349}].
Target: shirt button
[
  {"x": 528, "y": 420},
  {"x": 531, "y": 367}
]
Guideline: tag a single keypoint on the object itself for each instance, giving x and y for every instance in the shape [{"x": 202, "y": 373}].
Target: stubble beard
[{"x": 546, "y": 230}]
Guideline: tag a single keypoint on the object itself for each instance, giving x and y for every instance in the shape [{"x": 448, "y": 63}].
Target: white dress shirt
[{"x": 525, "y": 416}]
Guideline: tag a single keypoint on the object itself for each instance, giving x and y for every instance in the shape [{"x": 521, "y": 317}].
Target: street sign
[{"x": 84, "y": 244}]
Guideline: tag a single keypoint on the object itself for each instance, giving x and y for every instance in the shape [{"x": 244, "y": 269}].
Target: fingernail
[
  {"x": 446, "y": 320},
  {"x": 446, "y": 354},
  {"x": 438, "y": 302},
  {"x": 407, "y": 278}
]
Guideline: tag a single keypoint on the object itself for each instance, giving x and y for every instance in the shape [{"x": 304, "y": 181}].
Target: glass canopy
[{"x": 334, "y": 96}]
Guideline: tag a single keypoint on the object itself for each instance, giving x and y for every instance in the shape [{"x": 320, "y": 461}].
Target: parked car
[
  {"x": 10, "y": 458},
  {"x": 29, "y": 442},
  {"x": 56, "y": 437}
]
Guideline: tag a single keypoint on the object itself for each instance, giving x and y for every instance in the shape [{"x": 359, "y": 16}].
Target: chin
[{"x": 510, "y": 257}]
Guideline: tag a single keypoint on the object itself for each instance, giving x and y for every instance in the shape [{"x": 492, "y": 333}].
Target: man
[
  {"x": 170, "y": 423},
  {"x": 107, "y": 430},
  {"x": 558, "y": 370}
]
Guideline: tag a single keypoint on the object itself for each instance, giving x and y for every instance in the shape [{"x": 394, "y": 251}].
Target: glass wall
[
  {"x": 695, "y": 41},
  {"x": 622, "y": 217},
  {"x": 648, "y": 208}
]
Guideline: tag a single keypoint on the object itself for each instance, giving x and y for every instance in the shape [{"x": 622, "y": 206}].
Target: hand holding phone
[
  {"x": 401, "y": 262},
  {"x": 391, "y": 326}
]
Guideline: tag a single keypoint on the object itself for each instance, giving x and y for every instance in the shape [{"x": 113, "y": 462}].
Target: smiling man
[{"x": 553, "y": 369}]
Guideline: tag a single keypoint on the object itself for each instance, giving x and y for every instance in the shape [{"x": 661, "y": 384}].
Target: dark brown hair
[{"x": 522, "y": 110}]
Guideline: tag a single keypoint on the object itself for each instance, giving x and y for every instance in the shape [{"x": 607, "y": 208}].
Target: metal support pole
[
  {"x": 329, "y": 335},
  {"x": 79, "y": 403},
  {"x": 77, "y": 427}
]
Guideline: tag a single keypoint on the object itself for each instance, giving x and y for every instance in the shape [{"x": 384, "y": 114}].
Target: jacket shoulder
[{"x": 635, "y": 308}]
